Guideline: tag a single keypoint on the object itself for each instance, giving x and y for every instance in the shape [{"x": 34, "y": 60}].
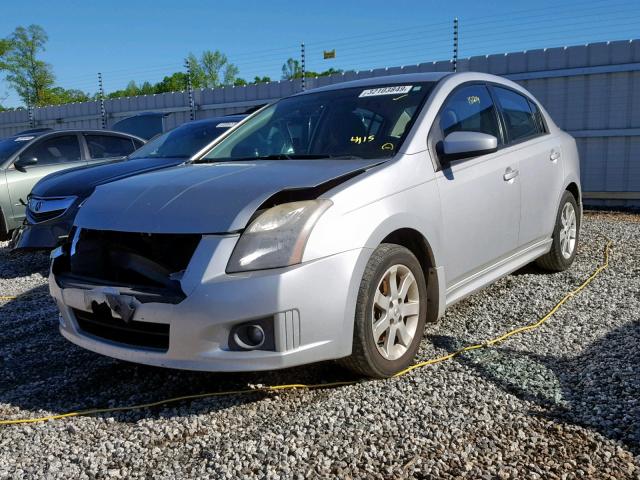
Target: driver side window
[{"x": 470, "y": 109}]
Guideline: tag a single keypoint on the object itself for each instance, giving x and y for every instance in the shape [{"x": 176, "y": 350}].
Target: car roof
[
  {"x": 28, "y": 134},
  {"x": 383, "y": 80},
  {"x": 43, "y": 133},
  {"x": 35, "y": 130},
  {"x": 149, "y": 114}
]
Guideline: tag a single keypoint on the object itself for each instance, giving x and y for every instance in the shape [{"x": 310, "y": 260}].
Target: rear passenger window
[
  {"x": 470, "y": 109},
  {"x": 60, "y": 149},
  {"x": 109, "y": 146},
  {"x": 538, "y": 117},
  {"x": 518, "y": 117}
]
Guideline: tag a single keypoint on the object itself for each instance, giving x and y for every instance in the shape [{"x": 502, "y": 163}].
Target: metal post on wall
[
  {"x": 302, "y": 65},
  {"x": 192, "y": 105},
  {"x": 32, "y": 122},
  {"x": 103, "y": 112},
  {"x": 455, "y": 44}
]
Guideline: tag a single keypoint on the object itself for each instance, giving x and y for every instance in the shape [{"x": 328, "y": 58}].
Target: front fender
[{"x": 366, "y": 226}]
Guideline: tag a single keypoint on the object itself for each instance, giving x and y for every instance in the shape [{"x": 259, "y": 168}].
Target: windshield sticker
[
  {"x": 360, "y": 140},
  {"x": 387, "y": 146},
  {"x": 376, "y": 92},
  {"x": 23, "y": 139},
  {"x": 226, "y": 124},
  {"x": 473, "y": 99}
]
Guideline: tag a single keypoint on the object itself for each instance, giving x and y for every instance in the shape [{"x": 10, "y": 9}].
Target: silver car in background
[
  {"x": 330, "y": 225},
  {"x": 27, "y": 157}
]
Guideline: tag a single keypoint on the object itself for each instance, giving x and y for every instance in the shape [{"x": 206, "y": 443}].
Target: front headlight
[{"x": 277, "y": 237}]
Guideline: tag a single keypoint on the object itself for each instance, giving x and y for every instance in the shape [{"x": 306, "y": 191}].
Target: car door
[
  {"x": 479, "y": 196},
  {"x": 52, "y": 153},
  {"x": 103, "y": 148},
  {"x": 540, "y": 168}
]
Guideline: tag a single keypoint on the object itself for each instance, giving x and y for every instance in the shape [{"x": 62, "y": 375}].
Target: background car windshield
[
  {"x": 365, "y": 122},
  {"x": 11, "y": 145},
  {"x": 181, "y": 142}
]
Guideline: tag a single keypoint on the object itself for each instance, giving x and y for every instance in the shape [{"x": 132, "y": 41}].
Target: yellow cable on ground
[
  {"x": 7, "y": 297},
  {"x": 526, "y": 328},
  {"x": 276, "y": 388}
]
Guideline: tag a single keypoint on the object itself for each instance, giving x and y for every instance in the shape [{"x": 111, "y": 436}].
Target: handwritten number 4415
[{"x": 360, "y": 140}]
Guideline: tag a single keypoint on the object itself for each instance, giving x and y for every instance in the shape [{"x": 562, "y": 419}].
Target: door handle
[
  {"x": 555, "y": 155},
  {"x": 510, "y": 174}
]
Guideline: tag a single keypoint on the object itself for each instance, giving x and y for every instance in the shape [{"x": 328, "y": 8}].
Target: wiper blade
[
  {"x": 280, "y": 156},
  {"x": 319, "y": 156}
]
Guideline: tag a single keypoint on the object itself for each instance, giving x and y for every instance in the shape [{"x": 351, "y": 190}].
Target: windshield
[
  {"x": 183, "y": 141},
  {"x": 363, "y": 122},
  {"x": 11, "y": 145},
  {"x": 145, "y": 126}
]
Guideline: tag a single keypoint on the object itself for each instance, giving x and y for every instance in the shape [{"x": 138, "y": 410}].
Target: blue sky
[{"x": 144, "y": 40}]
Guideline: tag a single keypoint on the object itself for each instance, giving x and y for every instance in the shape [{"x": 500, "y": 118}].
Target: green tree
[
  {"x": 5, "y": 48},
  {"x": 60, "y": 96},
  {"x": 147, "y": 89},
  {"x": 330, "y": 71},
  {"x": 175, "y": 82},
  {"x": 197, "y": 74},
  {"x": 264, "y": 79},
  {"x": 291, "y": 69},
  {"x": 131, "y": 90},
  {"x": 29, "y": 76},
  {"x": 213, "y": 69}
]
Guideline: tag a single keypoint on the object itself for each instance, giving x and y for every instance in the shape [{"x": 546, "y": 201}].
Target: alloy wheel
[
  {"x": 396, "y": 306},
  {"x": 568, "y": 230}
]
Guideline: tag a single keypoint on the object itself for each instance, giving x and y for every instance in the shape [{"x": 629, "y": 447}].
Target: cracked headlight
[{"x": 277, "y": 237}]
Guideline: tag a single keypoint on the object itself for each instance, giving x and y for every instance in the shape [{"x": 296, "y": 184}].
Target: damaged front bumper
[{"x": 306, "y": 312}]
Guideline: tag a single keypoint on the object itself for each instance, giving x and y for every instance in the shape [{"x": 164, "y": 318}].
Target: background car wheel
[
  {"x": 4, "y": 235},
  {"x": 390, "y": 313},
  {"x": 565, "y": 236}
]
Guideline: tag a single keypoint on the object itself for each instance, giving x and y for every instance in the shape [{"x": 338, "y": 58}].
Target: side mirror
[
  {"x": 468, "y": 144},
  {"x": 24, "y": 162}
]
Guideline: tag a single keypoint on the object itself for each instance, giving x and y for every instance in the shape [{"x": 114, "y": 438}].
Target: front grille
[
  {"x": 40, "y": 209},
  {"x": 138, "y": 334},
  {"x": 133, "y": 260},
  {"x": 44, "y": 216}
]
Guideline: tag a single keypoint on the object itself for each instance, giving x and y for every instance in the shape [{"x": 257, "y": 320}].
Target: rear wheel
[
  {"x": 565, "y": 236},
  {"x": 390, "y": 313},
  {"x": 4, "y": 234}
]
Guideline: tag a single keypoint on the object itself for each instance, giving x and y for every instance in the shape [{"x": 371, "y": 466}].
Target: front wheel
[
  {"x": 565, "y": 236},
  {"x": 390, "y": 313}
]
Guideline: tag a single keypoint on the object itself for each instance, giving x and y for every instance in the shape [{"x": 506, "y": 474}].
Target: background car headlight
[{"x": 277, "y": 237}]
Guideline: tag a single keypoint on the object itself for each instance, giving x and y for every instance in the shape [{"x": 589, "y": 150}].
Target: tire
[
  {"x": 390, "y": 352},
  {"x": 558, "y": 260}
]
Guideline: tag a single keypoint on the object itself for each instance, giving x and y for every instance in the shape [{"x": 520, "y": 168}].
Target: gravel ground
[{"x": 559, "y": 402}]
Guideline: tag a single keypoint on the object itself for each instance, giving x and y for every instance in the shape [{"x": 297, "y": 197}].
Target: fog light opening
[
  {"x": 250, "y": 337},
  {"x": 255, "y": 334}
]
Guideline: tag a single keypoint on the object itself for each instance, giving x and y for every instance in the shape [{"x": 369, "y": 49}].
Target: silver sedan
[{"x": 331, "y": 224}]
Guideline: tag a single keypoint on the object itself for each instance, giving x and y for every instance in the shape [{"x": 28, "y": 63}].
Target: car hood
[
  {"x": 204, "y": 198},
  {"x": 82, "y": 181}
]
